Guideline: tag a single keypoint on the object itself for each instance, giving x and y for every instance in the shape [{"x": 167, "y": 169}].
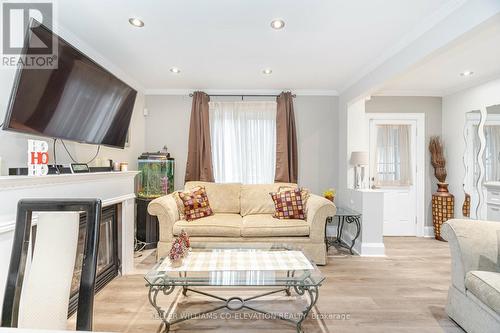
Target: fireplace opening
[{"x": 108, "y": 263}]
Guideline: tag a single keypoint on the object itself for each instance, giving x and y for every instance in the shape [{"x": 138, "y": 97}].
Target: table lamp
[{"x": 359, "y": 159}]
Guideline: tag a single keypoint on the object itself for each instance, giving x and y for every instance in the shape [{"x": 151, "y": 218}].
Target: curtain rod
[{"x": 242, "y": 95}]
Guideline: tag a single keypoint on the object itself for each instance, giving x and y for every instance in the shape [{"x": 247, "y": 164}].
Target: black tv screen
[{"x": 79, "y": 101}]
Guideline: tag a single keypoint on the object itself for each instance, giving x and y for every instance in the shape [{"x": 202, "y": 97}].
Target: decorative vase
[
  {"x": 443, "y": 205},
  {"x": 466, "y": 206}
]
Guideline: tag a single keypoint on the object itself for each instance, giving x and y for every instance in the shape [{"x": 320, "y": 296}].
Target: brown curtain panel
[
  {"x": 199, "y": 160},
  {"x": 286, "y": 140}
]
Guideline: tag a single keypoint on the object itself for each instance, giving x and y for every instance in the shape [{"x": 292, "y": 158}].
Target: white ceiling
[
  {"x": 439, "y": 74},
  {"x": 225, "y": 44}
]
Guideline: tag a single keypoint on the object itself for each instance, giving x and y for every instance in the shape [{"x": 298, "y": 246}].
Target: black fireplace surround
[{"x": 108, "y": 263}]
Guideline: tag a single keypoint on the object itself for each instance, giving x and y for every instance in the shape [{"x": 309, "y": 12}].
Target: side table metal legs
[
  {"x": 349, "y": 219},
  {"x": 355, "y": 220}
]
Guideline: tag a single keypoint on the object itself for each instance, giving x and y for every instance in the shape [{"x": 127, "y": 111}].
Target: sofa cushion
[
  {"x": 265, "y": 225},
  {"x": 217, "y": 225},
  {"x": 224, "y": 198},
  {"x": 255, "y": 198},
  {"x": 485, "y": 286}
]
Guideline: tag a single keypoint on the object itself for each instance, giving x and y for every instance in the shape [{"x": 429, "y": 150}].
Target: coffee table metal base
[{"x": 234, "y": 303}]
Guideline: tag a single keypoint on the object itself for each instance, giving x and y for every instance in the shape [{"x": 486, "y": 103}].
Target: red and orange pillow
[
  {"x": 288, "y": 204},
  {"x": 193, "y": 204}
]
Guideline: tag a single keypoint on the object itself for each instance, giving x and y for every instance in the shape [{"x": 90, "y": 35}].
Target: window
[
  {"x": 243, "y": 138},
  {"x": 393, "y": 156}
]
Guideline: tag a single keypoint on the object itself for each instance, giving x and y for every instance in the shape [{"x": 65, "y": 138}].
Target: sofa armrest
[
  {"x": 474, "y": 245},
  {"x": 318, "y": 209},
  {"x": 165, "y": 208}
]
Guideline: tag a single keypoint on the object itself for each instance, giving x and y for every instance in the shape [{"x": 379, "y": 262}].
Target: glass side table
[{"x": 344, "y": 215}]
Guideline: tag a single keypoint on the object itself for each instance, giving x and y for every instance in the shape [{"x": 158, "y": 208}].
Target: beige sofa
[
  {"x": 474, "y": 294},
  {"x": 243, "y": 215}
]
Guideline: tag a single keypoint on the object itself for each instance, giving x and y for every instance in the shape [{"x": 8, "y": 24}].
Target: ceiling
[
  {"x": 439, "y": 75},
  {"x": 225, "y": 44}
]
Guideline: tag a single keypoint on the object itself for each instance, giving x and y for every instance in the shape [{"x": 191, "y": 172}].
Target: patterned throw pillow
[
  {"x": 288, "y": 204},
  {"x": 304, "y": 192},
  {"x": 195, "y": 203}
]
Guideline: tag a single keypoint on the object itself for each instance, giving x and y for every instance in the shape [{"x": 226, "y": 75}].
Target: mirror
[
  {"x": 481, "y": 158},
  {"x": 471, "y": 165}
]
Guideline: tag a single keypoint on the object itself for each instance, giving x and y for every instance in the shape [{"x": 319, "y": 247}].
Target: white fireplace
[{"x": 111, "y": 187}]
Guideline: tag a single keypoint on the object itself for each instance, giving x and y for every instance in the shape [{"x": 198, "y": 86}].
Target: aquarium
[{"x": 156, "y": 175}]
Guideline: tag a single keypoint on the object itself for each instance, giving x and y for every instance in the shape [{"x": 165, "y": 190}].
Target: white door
[
  {"x": 400, "y": 217},
  {"x": 400, "y": 201}
]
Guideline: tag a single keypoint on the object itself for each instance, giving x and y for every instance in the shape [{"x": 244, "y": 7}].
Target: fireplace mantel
[
  {"x": 111, "y": 187},
  {"x": 15, "y": 182}
]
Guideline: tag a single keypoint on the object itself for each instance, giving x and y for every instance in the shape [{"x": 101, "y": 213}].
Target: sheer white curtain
[
  {"x": 243, "y": 138},
  {"x": 393, "y": 156}
]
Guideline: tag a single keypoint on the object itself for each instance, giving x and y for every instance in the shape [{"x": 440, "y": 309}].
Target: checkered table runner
[{"x": 233, "y": 260}]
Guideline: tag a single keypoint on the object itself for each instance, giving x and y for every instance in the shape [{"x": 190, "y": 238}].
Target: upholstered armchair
[{"x": 474, "y": 294}]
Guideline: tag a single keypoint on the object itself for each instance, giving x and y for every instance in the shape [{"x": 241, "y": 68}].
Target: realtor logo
[{"x": 26, "y": 35}]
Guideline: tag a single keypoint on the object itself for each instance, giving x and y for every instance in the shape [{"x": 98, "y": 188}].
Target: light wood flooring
[{"x": 403, "y": 292}]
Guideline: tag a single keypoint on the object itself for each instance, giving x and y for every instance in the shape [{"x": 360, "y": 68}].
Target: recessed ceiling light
[
  {"x": 277, "y": 24},
  {"x": 267, "y": 71},
  {"x": 136, "y": 22},
  {"x": 175, "y": 70},
  {"x": 467, "y": 73}
]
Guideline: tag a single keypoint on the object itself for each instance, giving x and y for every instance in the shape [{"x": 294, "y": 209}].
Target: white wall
[
  {"x": 13, "y": 146},
  {"x": 431, "y": 107},
  {"x": 454, "y": 108},
  {"x": 317, "y": 125},
  {"x": 357, "y": 136}
]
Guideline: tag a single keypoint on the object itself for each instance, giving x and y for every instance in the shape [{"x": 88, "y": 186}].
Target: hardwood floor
[{"x": 403, "y": 292}]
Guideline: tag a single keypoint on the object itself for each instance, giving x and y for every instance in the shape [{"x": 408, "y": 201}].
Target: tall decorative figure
[{"x": 443, "y": 202}]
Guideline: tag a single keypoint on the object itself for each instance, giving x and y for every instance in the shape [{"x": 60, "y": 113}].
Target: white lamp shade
[{"x": 359, "y": 158}]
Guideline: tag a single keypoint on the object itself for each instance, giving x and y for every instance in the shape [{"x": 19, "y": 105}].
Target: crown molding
[{"x": 300, "y": 92}]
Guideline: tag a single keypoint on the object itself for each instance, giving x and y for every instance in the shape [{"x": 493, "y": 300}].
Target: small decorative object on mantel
[
  {"x": 443, "y": 202},
  {"x": 38, "y": 158},
  {"x": 180, "y": 249},
  {"x": 330, "y": 194}
]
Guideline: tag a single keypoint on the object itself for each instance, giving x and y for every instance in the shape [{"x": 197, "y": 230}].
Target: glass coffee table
[{"x": 276, "y": 269}]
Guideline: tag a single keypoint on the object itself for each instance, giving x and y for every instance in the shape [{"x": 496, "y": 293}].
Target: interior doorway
[{"x": 397, "y": 145}]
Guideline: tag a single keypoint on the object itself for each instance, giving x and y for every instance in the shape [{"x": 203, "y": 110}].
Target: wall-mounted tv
[{"x": 79, "y": 101}]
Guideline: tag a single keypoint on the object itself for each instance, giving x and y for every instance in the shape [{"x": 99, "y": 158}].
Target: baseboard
[
  {"x": 428, "y": 231},
  {"x": 360, "y": 248},
  {"x": 372, "y": 250}
]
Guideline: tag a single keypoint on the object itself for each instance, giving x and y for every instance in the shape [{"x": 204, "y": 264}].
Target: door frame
[{"x": 419, "y": 118}]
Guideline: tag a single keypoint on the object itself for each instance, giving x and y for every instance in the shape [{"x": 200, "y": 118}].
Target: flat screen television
[{"x": 79, "y": 101}]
